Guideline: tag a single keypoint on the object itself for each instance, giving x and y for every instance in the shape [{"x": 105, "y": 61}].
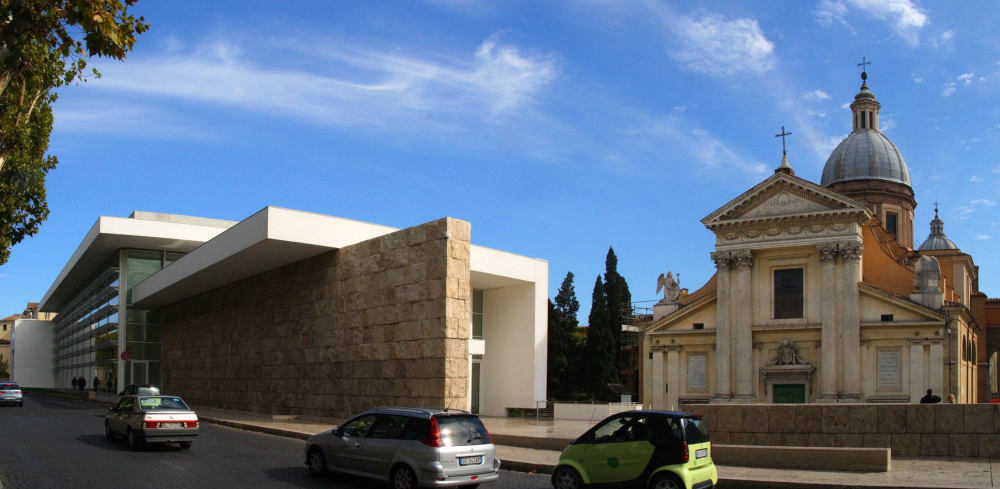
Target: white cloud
[
  {"x": 917, "y": 79},
  {"x": 886, "y": 124},
  {"x": 715, "y": 46},
  {"x": 354, "y": 84},
  {"x": 816, "y": 95},
  {"x": 948, "y": 90},
  {"x": 904, "y": 16},
  {"x": 983, "y": 202},
  {"x": 975, "y": 178},
  {"x": 967, "y": 78},
  {"x": 984, "y": 237},
  {"x": 947, "y": 35}
]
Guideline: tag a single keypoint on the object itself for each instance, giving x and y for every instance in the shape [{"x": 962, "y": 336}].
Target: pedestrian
[
  {"x": 97, "y": 383},
  {"x": 83, "y": 382},
  {"x": 930, "y": 398},
  {"x": 75, "y": 382}
]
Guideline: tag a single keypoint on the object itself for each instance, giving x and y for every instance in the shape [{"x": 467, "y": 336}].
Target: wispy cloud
[
  {"x": 975, "y": 178},
  {"x": 983, "y": 237},
  {"x": 949, "y": 89},
  {"x": 817, "y": 95},
  {"x": 711, "y": 44},
  {"x": 360, "y": 86},
  {"x": 905, "y": 18},
  {"x": 983, "y": 202}
]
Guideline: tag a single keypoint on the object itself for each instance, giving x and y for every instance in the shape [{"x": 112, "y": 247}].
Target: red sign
[{"x": 124, "y": 355}]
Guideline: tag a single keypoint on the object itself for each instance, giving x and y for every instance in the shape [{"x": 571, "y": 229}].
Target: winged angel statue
[{"x": 671, "y": 289}]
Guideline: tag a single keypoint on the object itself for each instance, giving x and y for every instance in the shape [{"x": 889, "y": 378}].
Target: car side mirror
[{"x": 338, "y": 431}]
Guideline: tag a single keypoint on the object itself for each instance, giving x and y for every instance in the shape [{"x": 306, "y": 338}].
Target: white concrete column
[
  {"x": 658, "y": 380},
  {"x": 917, "y": 386},
  {"x": 673, "y": 378},
  {"x": 850, "y": 254},
  {"x": 723, "y": 392},
  {"x": 829, "y": 343},
  {"x": 742, "y": 335},
  {"x": 937, "y": 369}
]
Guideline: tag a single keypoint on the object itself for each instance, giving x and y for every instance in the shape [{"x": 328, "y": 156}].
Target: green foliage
[
  {"x": 565, "y": 346},
  {"x": 601, "y": 342},
  {"x": 4, "y": 368},
  {"x": 44, "y": 45},
  {"x": 619, "y": 303}
]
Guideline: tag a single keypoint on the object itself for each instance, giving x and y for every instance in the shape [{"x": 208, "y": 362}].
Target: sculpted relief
[{"x": 784, "y": 204}]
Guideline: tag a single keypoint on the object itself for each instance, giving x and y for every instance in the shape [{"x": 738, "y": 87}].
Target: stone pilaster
[
  {"x": 937, "y": 368},
  {"x": 850, "y": 254},
  {"x": 829, "y": 342},
  {"x": 673, "y": 377},
  {"x": 723, "y": 390},
  {"x": 917, "y": 385},
  {"x": 659, "y": 390},
  {"x": 741, "y": 316}
]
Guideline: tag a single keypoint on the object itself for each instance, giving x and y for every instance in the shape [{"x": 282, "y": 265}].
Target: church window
[
  {"x": 887, "y": 318},
  {"x": 788, "y": 293},
  {"x": 891, "y": 222},
  {"x": 699, "y": 325},
  {"x": 863, "y": 126},
  {"x": 871, "y": 120}
]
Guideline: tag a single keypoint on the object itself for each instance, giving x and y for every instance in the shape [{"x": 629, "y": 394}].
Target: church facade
[{"x": 820, "y": 295}]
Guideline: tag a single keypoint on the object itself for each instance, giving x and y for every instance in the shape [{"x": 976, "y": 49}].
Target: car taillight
[
  {"x": 17, "y": 392},
  {"x": 684, "y": 447},
  {"x": 433, "y": 435},
  {"x": 151, "y": 424},
  {"x": 191, "y": 424}
]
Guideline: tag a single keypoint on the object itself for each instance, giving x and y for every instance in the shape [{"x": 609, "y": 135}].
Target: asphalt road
[{"x": 59, "y": 444}]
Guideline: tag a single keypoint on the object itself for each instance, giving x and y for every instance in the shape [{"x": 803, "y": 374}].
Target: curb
[{"x": 252, "y": 427}]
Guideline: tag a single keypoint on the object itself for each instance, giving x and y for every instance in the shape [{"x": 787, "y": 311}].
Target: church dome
[
  {"x": 865, "y": 154},
  {"x": 937, "y": 240}
]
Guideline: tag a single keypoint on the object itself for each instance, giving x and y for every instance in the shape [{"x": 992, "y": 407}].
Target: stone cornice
[
  {"x": 832, "y": 216},
  {"x": 777, "y": 183}
]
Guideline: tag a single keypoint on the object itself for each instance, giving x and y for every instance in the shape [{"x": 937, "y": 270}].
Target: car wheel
[
  {"x": 566, "y": 478},
  {"x": 133, "y": 440},
  {"x": 666, "y": 481},
  {"x": 316, "y": 462},
  {"x": 185, "y": 445},
  {"x": 403, "y": 478},
  {"x": 107, "y": 432}
]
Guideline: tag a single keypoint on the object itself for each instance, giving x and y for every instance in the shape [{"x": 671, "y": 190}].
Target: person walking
[
  {"x": 83, "y": 383},
  {"x": 76, "y": 382},
  {"x": 930, "y": 398},
  {"x": 97, "y": 383}
]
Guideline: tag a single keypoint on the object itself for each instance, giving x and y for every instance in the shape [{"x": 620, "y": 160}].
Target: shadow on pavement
[
  {"x": 100, "y": 442},
  {"x": 300, "y": 477}
]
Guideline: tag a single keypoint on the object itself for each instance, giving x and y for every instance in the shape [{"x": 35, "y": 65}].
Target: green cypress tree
[
  {"x": 600, "y": 345},
  {"x": 619, "y": 306},
  {"x": 563, "y": 342}
]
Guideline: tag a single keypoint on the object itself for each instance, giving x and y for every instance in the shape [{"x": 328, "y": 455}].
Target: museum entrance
[{"x": 789, "y": 393}]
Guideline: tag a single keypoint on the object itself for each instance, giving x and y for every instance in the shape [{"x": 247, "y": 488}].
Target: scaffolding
[{"x": 633, "y": 315}]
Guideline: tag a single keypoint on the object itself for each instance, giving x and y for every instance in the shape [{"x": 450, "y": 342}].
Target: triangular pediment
[{"x": 783, "y": 195}]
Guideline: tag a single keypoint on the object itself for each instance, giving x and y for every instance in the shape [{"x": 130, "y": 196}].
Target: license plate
[
  {"x": 171, "y": 425},
  {"x": 701, "y": 453},
  {"x": 470, "y": 460}
]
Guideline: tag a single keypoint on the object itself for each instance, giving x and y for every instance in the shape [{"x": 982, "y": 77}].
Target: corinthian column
[
  {"x": 829, "y": 343},
  {"x": 723, "y": 390},
  {"x": 740, "y": 327},
  {"x": 851, "y": 347}
]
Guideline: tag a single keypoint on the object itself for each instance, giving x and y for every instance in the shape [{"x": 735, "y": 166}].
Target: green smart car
[{"x": 654, "y": 449}]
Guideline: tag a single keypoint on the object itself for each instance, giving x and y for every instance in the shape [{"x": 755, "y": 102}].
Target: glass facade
[
  {"x": 90, "y": 335},
  {"x": 477, "y": 314}
]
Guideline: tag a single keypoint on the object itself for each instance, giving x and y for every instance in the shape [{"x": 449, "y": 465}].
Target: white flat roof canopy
[
  {"x": 274, "y": 237},
  {"x": 148, "y": 231}
]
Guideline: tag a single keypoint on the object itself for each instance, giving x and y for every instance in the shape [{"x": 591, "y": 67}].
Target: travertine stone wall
[
  {"x": 385, "y": 321},
  {"x": 956, "y": 430}
]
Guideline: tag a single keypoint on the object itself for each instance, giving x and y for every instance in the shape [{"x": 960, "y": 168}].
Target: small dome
[
  {"x": 937, "y": 240},
  {"x": 865, "y": 154}
]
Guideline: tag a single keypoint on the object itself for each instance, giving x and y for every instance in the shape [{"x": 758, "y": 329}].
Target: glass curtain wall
[
  {"x": 143, "y": 330},
  {"x": 85, "y": 332}
]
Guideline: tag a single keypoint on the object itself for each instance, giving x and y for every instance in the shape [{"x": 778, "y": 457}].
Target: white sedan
[{"x": 151, "y": 419}]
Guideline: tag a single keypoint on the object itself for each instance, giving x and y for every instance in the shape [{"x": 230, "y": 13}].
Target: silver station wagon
[
  {"x": 151, "y": 419},
  {"x": 408, "y": 447},
  {"x": 10, "y": 393}
]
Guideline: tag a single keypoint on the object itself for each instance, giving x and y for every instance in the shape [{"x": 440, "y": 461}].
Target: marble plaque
[
  {"x": 888, "y": 369},
  {"x": 696, "y": 372}
]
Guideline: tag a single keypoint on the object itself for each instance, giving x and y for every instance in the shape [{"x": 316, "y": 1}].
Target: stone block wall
[
  {"x": 956, "y": 430},
  {"x": 384, "y": 321}
]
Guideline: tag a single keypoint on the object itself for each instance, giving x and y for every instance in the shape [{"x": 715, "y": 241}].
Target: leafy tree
[
  {"x": 619, "y": 304},
  {"x": 44, "y": 44},
  {"x": 4, "y": 370},
  {"x": 601, "y": 342},
  {"x": 564, "y": 346}
]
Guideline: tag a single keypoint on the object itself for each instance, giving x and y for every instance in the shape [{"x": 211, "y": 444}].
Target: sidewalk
[{"x": 525, "y": 444}]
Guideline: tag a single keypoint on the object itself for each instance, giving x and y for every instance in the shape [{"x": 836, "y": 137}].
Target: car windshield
[
  {"x": 695, "y": 431},
  {"x": 457, "y": 431},
  {"x": 164, "y": 402},
  {"x": 8, "y": 387}
]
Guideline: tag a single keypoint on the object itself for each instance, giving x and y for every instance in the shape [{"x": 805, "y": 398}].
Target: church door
[{"x": 789, "y": 393}]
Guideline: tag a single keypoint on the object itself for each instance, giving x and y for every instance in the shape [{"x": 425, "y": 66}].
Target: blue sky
[{"x": 557, "y": 128}]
